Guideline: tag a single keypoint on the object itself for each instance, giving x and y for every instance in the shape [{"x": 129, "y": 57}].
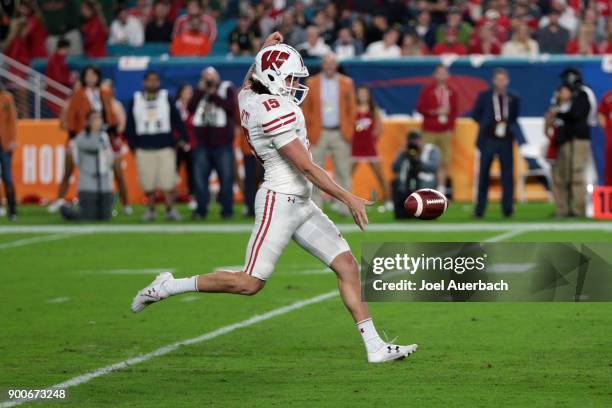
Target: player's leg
[
  {"x": 275, "y": 221},
  {"x": 320, "y": 237}
]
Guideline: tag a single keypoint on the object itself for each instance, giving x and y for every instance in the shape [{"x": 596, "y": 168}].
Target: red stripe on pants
[{"x": 263, "y": 237}]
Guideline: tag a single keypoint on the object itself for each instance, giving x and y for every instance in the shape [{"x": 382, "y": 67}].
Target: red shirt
[
  {"x": 36, "y": 38},
  {"x": 444, "y": 48},
  {"x": 431, "y": 99},
  {"x": 605, "y": 109},
  {"x": 605, "y": 47},
  {"x": 572, "y": 47},
  {"x": 603, "y": 7},
  {"x": 190, "y": 44},
  {"x": 57, "y": 69},
  {"x": 94, "y": 38},
  {"x": 476, "y": 48}
]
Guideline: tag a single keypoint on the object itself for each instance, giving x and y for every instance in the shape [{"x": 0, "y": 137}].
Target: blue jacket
[{"x": 484, "y": 114}]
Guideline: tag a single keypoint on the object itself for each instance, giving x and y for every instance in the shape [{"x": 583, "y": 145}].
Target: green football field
[{"x": 65, "y": 321}]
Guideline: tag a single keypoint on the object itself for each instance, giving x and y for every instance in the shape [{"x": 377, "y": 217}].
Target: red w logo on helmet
[{"x": 275, "y": 57}]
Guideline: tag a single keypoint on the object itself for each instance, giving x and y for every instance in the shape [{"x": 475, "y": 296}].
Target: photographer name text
[{"x": 442, "y": 285}]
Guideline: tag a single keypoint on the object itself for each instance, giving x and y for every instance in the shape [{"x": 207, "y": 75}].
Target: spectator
[
  {"x": 378, "y": 29},
  {"x": 116, "y": 135},
  {"x": 423, "y": 28},
  {"x": 192, "y": 42},
  {"x": 499, "y": 24},
  {"x": 93, "y": 29},
  {"x": 184, "y": 94},
  {"x": 8, "y": 131},
  {"x": 521, "y": 45},
  {"x": 386, "y": 48},
  {"x": 438, "y": 103},
  {"x": 606, "y": 45},
  {"x": 15, "y": 45},
  {"x": 552, "y": 38},
  {"x": 126, "y": 29},
  {"x": 359, "y": 32},
  {"x": 91, "y": 150},
  {"x": 414, "y": 168},
  {"x": 331, "y": 110},
  {"x": 584, "y": 43},
  {"x": 141, "y": 11},
  {"x": 159, "y": 29},
  {"x": 346, "y": 46},
  {"x": 151, "y": 120},
  {"x": 496, "y": 111},
  {"x": 293, "y": 33},
  {"x": 455, "y": 21},
  {"x": 243, "y": 39},
  {"x": 57, "y": 69},
  {"x": 314, "y": 47},
  {"x": 326, "y": 24},
  {"x": 573, "y": 135},
  {"x": 213, "y": 107},
  {"x": 185, "y": 23},
  {"x": 368, "y": 127},
  {"x": 62, "y": 21},
  {"x": 605, "y": 121},
  {"x": 35, "y": 31},
  {"x": 299, "y": 14},
  {"x": 86, "y": 98},
  {"x": 485, "y": 43},
  {"x": 567, "y": 16},
  {"x": 413, "y": 46},
  {"x": 450, "y": 45}
]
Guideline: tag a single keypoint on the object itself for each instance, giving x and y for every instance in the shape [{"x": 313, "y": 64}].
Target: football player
[{"x": 275, "y": 128}]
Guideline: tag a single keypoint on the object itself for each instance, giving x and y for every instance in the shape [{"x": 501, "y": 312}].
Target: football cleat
[
  {"x": 152, "y": 293},
  {"x": 390, "y": 352}
]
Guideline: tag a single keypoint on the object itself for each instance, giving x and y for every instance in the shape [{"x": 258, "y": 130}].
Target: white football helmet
[{"x": 277, "y": 63}]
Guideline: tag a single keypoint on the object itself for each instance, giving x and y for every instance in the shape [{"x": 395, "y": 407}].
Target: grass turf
[{"x": 65, "y": 311}]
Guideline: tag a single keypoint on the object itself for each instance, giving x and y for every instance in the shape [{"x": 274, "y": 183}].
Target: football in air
[{"x": 426, "y": 204}]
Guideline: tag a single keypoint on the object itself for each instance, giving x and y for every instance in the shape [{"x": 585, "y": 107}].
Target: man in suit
[
  {"x": 330, "y": 110},
  {"x": 496, "y": 111}
]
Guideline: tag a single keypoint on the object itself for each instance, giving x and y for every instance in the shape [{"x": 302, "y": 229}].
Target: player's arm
[
  {"x": 297, "y": 154},
  {"x": 273, "y": 39}
]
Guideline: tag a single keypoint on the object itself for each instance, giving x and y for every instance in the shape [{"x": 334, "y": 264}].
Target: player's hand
[
  {"x": 357, "y": 207},
  {"x": 273, "y": 39}
]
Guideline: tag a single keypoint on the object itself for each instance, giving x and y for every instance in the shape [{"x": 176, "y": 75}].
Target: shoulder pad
[{"x": 277, "y": 115}]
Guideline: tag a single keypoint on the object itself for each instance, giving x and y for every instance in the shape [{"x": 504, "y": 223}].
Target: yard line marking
[
  {"x": 320, "y": 271},
  {"x": 35, "y": 240},
  {"x": 240, "y": 228},
  {"x": 505, "y": 235},
  {"x": 191, "y": 298},
  {"x": 58, "y": 300},
  {"x": 174, "y": 346},
  {"x": 143, "y": 271}
]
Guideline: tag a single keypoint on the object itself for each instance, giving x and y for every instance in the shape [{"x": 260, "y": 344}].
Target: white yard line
[
  {"x": 78, "y": 380},
  {"x": 506, "y": 235},
  {"x": 240, "y": 228},
  {"x": 36, "y": 240}
]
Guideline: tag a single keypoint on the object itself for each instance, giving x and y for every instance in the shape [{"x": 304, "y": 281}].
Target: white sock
[
  {"x": 371, "y": 339},
  {"x": 176, "y": 286}
]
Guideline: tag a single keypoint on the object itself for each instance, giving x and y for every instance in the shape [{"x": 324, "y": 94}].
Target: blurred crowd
[
  {"x": 374, "y": 29},
  {"x": 195, "y": 129}
]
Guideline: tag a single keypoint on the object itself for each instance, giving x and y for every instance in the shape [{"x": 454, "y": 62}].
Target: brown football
[{"x": 426, "y": 204}]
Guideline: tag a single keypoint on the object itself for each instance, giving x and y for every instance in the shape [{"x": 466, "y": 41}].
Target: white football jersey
[{"x": 270, "y": 122}]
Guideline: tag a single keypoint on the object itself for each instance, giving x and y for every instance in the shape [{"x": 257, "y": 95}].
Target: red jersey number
[{"x": 270, "y": 104}]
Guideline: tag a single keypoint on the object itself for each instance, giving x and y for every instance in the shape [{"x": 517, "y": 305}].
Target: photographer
[
  {"x": 213, "y": 107},
  {"x": 414, "y": 168},
  {"x": 92, "y": 152},
  {"x": 570, "y": 115}
]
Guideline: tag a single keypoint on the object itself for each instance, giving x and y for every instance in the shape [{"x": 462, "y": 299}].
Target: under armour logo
[
  {"x": 291, "y": 199},
  {"x": 390, "y": 349},
  {"x": 273, "y": 58},
  {"x": 362, "y": 331}
]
